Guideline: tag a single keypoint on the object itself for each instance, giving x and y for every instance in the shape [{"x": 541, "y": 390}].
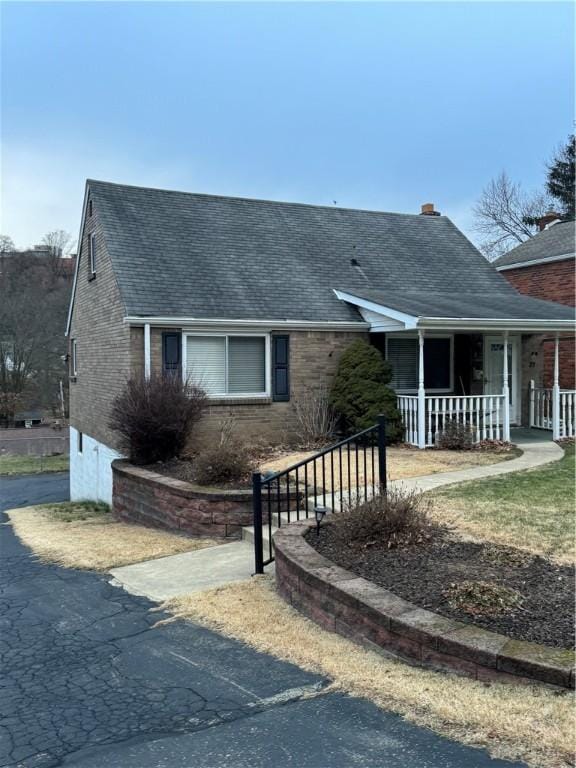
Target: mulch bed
[{"x": 428, "y": 574}]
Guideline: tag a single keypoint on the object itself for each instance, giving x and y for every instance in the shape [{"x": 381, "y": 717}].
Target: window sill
[{"x": 255, "y": 400}]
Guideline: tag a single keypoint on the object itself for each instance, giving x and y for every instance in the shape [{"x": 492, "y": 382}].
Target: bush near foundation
[
  {"x": 155, "y": 417},
  {"x": 360, "y": 392}
]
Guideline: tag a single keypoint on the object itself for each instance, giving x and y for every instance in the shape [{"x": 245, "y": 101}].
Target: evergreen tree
[
  {"x": 561, "y": 178},
  {"x": 360, "y": 392}
]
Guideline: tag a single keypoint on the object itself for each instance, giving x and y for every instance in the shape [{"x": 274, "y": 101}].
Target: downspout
[{"x": 147, "y": 366}]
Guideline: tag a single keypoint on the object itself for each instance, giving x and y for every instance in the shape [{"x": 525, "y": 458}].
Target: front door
[{"x": 494, "y": 370}]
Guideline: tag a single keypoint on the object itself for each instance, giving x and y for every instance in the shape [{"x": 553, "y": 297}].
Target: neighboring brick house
[
  {"x": 544, "y": 267},
  {"x": 258, "y": 299}
]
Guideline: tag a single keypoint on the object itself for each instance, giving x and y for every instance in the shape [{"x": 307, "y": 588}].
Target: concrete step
[{"x": 248, "y": 531}]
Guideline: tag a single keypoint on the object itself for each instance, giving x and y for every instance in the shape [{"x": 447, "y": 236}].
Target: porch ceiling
[{"x": 459, "y": 311}]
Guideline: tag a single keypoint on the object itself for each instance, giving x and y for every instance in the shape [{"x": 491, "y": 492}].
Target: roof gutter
[
  {"x": 221, "y": 322},
  {"x": 535, "y": 262},
  {"x": 503, "y": 324}
]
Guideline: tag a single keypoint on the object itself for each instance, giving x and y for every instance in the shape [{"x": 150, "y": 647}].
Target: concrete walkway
[{"x": 213, "y": 567}]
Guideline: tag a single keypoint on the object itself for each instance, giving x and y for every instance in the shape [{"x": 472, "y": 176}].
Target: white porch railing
[
  {"x": 481, "y": 415},
  {"x": 542, "y": 409},
  {"x": 408, "y": 407}
]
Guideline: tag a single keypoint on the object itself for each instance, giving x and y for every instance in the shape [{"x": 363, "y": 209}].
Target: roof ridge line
[{"x": 261, "y": 200}]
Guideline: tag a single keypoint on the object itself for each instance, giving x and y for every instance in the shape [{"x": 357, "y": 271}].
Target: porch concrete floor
[{"x": 181, "y": 574}]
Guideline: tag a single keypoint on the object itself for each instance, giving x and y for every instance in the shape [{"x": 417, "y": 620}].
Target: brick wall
[
  {"x": 314, "y": 357},
  {"x": 102, "y": 340},
  {"x": 551, "y": 282}
]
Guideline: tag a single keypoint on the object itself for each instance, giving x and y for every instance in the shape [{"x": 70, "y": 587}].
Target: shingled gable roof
[
  {"x": 553, "y": 243},
  {"x": 204, "y": 257}
]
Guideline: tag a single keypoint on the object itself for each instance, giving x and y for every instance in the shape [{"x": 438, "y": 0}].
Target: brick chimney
[
  {"x": 428, "y": 210},
  {"x": 549, "y": 218}
]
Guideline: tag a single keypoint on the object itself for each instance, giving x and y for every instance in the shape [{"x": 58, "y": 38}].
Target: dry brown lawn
[
  {"x": 68, "y": 535},
  {"x": 530, "y": 723},
  {"x": 401, "y": 462}
]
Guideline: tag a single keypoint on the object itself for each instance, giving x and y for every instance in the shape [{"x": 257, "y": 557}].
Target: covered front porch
[{"x": 471, "y": 371}]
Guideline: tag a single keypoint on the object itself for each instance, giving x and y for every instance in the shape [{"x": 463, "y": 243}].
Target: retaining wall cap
[
  {"x": 473, "y": 643},
  {"x": 180, "y": 487}
]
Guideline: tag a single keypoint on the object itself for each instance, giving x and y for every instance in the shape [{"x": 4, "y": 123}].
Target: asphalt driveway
[{"x": 87, "y": 681}]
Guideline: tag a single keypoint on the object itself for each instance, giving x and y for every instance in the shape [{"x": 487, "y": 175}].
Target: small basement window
[
  {"x": 80, "y": 442},
  {"x": 73, "y": 357},
  {"x": 92, "y": 250},
  {"x": 402, "y": 353},
  {"x": 228, "y": 365}
]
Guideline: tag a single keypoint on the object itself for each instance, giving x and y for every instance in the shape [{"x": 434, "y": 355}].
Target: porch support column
[
  {"x": 506, "y": 392},
  {"x": 556, "y": 392},
  {"x": 421, "y": 393},
  {"x": 147, "y": 351}
]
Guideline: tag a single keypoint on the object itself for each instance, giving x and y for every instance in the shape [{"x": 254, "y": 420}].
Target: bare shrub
[
  {"x": 455, "y": 436},
  {"x": 391, "y": 519},
  {"x": 224, "y": 465},
  {"x": 315, "y": 417},
  {"x": 155, "y": 417},
  {"x": 226, "y": 427}
]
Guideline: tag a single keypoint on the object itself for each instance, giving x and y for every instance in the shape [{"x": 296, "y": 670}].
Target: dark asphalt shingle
[
  {"x": 194, "y": 255},
  {"x": 557, "y": 240}
]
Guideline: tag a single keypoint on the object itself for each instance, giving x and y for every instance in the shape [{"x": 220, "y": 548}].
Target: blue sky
[{"x": 376, "y": 105}]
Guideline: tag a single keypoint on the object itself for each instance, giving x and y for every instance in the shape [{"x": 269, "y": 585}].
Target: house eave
[
  {"x": 498, "y": 324},
  {"x": 385, "y": 319},
  {"x": 535, "y": 262},
  {"x": 221, "y": 322}
]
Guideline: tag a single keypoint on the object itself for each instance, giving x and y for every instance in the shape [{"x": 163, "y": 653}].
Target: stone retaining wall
[
  {"x": 151, "y": 499},
  {"x": 343, "y": 602}
]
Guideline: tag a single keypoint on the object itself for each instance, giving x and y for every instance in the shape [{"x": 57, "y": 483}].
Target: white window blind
[
  {"x": 206, "y": 363},
  {"x": 246, "y": 355},
  {"x": 402, "y": 354},
  {"x": 227, "y": 365}
]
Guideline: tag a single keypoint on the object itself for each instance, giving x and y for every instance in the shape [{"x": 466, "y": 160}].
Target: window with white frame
[
  {"x": 225, "y": 365},
  {"x": 402, "y": 352},
  {"x": 92, "y": 251}
]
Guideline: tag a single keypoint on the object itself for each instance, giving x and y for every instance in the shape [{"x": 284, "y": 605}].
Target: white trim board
[
  {"x": 190, "y": 323},
  {"x": 535, "y": 262}
]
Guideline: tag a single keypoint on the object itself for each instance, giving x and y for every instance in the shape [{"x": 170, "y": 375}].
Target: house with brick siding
[
  {"x": 257, "y": 300},
  {"x": 544, "y": 267}
]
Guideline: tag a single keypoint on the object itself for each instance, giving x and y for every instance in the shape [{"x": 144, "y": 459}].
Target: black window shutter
[
  {"x": 171, "y": 352},
  {"x": 280, "y": 368}
]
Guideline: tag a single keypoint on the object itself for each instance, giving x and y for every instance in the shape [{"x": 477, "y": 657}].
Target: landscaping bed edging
[
  {"x": 149, "y": 498},
  {"x": 343, "y": 602}
]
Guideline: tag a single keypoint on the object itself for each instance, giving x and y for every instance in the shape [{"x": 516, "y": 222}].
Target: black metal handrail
[{"x": 289, "y": 491}]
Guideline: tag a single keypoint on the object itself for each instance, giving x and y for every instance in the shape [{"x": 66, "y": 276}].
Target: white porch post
[
  {"x": 506, "y": 392},
  {"x": 556, "y": 392},
  {"x": 147, "y": 350},
  {"x": 421, "y": 393}
]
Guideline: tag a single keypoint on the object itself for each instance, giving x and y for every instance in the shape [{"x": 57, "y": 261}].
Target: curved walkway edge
[{"x": 534, "y": 454}]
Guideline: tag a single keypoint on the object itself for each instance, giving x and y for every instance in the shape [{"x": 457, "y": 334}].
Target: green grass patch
[
  {"x": 534, "y": 509},
  {"x": 73, "y": 511},
  {"x": 30, "y": 465}
]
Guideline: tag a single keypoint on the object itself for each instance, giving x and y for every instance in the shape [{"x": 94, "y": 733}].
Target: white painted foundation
[{"x": 90, "y": 471}]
